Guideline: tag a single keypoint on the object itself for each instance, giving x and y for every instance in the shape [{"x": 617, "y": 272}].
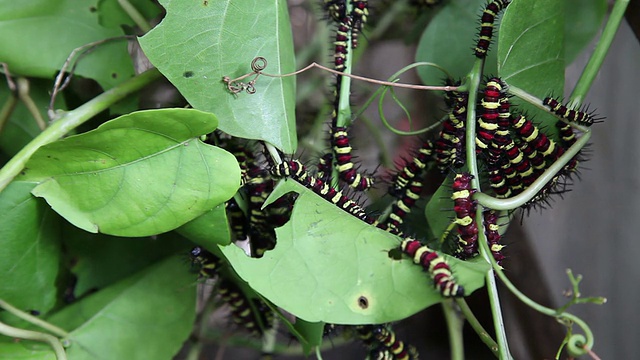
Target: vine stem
[
  {"x": 454, "y": 326},
  {"x": 34, "y": 320},
  {"x": 135, "y": 15},
  {"x": 34, "y": 335},
  {"x": 475, "y": 324},
  {"x": 472, "y": 163},
  {"x": 71, "y": 120}
]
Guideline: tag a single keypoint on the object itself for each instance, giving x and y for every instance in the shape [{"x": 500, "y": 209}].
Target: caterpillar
[
  {"x": 498, "y": 181},
  {"x": 576, "y": 116},
  {"x": 252, "y": 314},
  {"x": 344, "y": 164},
  {"x": 529, "y": 133},
  {"x": 237, "y": 220},
  {"x": 261, "y": 234},
  {"x": 449, "y": 148},
  {"x": 388, "y": 341},
  {"x": 295, "y": 170},
  {"x": 359, "y": 16},
  {"x": 325, "y": 166},
  {"x": 341, "y": 45},
  {"x": 402, "y": 207},
  {"x": 493, "y": 236},
  {"x": 205, "y": 262},
  {"x": 412, "y": 169},
  {"x": 491, "y": 104},
  {"x": 486, "y": 26},
  {"x": 336, "y": 9},
  {"x": 434, "y": 264},
  {"x": 465, "y": 209}
]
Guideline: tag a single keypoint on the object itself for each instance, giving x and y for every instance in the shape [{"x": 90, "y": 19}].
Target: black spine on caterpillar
[
  {"x": 388, "y": 340},
  {"x": 486, "y": 26},
  {"x": 237, "y": 220},
  {"x": 204, "y": 262},
  {"x": 344, "y": 161},
  {"x": 335, "y": 9},
  {"x": 359, "y": 16},
  {"x": 576, "y": 116},
  {"x": 295, "y": 170},
  {"x": 465, "y": 208},
  {"x": 261, "y": 234},
  {"x": 493, "y": 235},
  {"x": 435, "y": 265},
  {"x": 412, "y": 169},
  {"x": 255, "y": 319}
]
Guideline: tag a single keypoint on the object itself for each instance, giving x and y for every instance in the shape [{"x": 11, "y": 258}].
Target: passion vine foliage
[{"x": 111, "y": 212}]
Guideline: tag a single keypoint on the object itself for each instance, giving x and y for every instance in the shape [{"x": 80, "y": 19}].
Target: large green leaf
[
  {"x": 99, "y": 260},
  {"x": 30, "y": 256},
  {"x": 531, "y": 51},
  {"x": 221, "y": 39},
  {"x": 111, "y": 13},
  {"x": 146, "y": 316},
  {"x": 439, "y": 210},
  {"x": 43, "y": 33},
  {"x": 327, "y": 263},
  {"x": 25, "y": 350},
  {"x": 583, "y": 24},
  {"x": 140, "y": 174},
  {"x": 449, "y": 39}
]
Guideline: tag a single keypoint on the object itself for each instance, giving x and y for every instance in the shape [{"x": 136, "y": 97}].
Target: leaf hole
[
  {"x": 114, "y": 75},
  {"x": 187, "y": 74},
  {"x": 363, "y": 302},
  {"x": 395, "y": 254},
  {"x": 93, "y": 9}
]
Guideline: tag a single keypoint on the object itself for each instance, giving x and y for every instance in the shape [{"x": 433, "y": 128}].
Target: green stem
[
  {"x": 475, "y": 324},
  {"x": 7, "y": 110},
  {"x": 33, "y": 320},
  {"x": 472, "y": 163},
  {"x": 602, "y": 48},
  {"x": 71, "y": 120},
  {"x": 528, "y": 194},
  {"x": 135, "y": 15},
  {"x": 23, "y": 93},
  {"x": 454, "y": 326},
  {"x": 34, "y": 335}
]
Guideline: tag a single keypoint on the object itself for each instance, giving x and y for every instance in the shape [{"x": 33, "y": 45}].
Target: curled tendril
[
  {"x": 258, "y": 64},
  {"x": 235, "y": 86}
]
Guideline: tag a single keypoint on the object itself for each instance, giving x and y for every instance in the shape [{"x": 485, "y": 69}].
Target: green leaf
[
  {"x": 140, "y": 174},
  {"x": 146, "y": 316},
  {"x": 449, "y": 41},
  {"x": 439, "y": 210},
  {"x": 312, "y": 332},
  {"x": 46, "y": 32},
  {"x": 528, "y": 25},
  {"x": 112, "y": 15},
  {"x": 30, "y": 256},
  {"x": 100, "y": 260},
  {"x": 209, "y": 229},
  {"x": 327, "y": 263},
  {"x": 221, "y": 39},
  {"x": 25, "y": 350},
  {"x": 21, "y": 127},
  {"x": 581, "y": 27}
]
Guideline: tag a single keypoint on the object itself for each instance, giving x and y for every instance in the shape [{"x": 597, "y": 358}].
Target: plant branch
[
  {"x": 135, "y": 15},
  {"x": 23, "y": 93},
  {"x": 13, "y": 332},
  {"x": 475, "y": 324},
  {"x": 33, "y": 320},
  {"x": 454, "y": 326},
  {"x": 71, "y": 120}
]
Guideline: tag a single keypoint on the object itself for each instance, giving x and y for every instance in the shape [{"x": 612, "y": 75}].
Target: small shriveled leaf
[
  {"x": 30, "y": 243},
  {"x": 340, "y": 268},
  {"x": 145, "y": 316},
  {"x": 221, "y": 39},
  {"x": 140, "y": 174}
]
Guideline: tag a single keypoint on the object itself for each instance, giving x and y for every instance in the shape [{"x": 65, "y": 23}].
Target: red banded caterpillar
[
  {"x": 359, "y": 16},
  {"x": 237, "y": 220},
  {"x": 344, "y": 164},
  {"x": 388, "y": 341},
  {"x": 252, "y": 314},
  {"x": 402, "y": 207},
  {"x": 412, "y": 169},
  {"x": 434, "y": 264},
  {"x": 465, "y": 209},
  {"x": 488, "y": 120},
  {"x": 486, "y": 26},
  {"x": 341, "y": 45},
  {"x": 295, "y": 170},
  {"x": 325, "y": 166},
  {"x": 576, "y": 116},
  {"x": 529, "y": 133},
  {"x": 493, "y": 235},
  {"x": 336, "y": 9}
]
